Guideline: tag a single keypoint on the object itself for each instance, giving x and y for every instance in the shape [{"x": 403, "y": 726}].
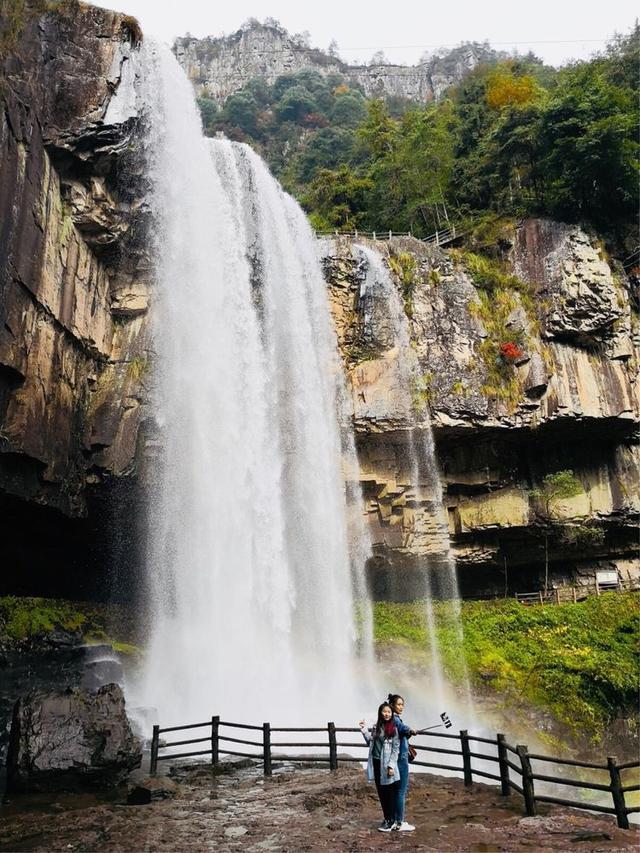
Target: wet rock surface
[
  {"x": 46, "y": 662},
  {"x": 70, "y": 740},
  {"x": 303, "y": 810}
]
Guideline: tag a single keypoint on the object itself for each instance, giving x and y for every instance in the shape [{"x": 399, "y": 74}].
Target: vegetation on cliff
[
  {"x": 578, "y": 661},
  {"x": 515, "y": 137},
  {"x": 26, "y": 620}
]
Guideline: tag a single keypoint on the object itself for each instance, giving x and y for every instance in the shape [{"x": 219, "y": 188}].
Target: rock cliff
[
  {"x": 73, "y": 291},
  {"x": 566, "y": 400},
  {"x": 220, "y": 66},
  {"x": 519, "y": 377},
  {"x": 73, "y": 279}
]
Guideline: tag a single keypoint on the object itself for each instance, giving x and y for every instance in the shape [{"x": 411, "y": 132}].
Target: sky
[{"x": 555, "y": 30}]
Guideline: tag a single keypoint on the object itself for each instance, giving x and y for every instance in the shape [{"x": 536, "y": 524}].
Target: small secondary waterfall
[
  {"x": 256, "y": 584},
  {"x": 383, "y": 310}
]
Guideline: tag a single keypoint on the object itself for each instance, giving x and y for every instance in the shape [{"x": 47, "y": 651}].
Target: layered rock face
[
  {"x": 566, "y": 400},
  {"x": 220, "y": 66},
  {"x": 73, "y": 276}
]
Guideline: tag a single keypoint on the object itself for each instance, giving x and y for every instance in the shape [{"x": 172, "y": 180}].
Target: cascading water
[
  {"x": 383, "y": 310},
  {"x": 252, "y": 592}
]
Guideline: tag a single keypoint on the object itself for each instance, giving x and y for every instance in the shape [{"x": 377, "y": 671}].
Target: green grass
[
  {"x": 579, "y": 661},
  {"x": 23, "y": 618}
]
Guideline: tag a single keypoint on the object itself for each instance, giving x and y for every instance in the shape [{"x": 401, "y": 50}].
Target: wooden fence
[
  {"x": 506, "y": 760},
  {"x": 563, "y": 594}
]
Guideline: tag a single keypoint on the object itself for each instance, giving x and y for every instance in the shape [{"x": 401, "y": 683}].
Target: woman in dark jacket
[{"x": 404, "y": 732}]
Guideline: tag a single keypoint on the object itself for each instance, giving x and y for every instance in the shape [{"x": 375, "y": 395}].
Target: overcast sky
[{"x": 404, "y": 29}]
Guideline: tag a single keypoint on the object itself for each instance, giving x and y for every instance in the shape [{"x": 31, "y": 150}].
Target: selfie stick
[{"x": 446, "y": 722}]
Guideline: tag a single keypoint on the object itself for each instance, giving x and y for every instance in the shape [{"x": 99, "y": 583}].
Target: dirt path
[{"x": 303, "y": 809}]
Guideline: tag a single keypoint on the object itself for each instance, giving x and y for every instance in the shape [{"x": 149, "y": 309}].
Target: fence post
[
  {"x": 266, "y": 748},
  {"x": 390, "y": 234},
  {"x": 215, "y": 746},
  {"x": 466, "y": 758},
  {"x": 153, "y": 764},
  {"x": 541, "y": 598},
  {"x": 504, "y": 767},
  {"x": 437, "y": 239},
  {"x": 527, "y": 780},
  {"x": 575, "y": 597},
  {"x": 617, "y": 793},
  {"x": 374, "y": 235},
  {"x": 333, "y": 747}
]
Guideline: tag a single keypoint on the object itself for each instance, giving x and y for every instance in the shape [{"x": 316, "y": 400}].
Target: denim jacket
[
  {"x": 404, "y": 731},
  {"x": 388, "y": 757}
]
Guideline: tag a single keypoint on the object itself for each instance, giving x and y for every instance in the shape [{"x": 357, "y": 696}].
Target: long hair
[{"x": 387, "y": 728}]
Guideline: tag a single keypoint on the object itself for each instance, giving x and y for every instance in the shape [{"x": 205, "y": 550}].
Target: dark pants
[{"x": 386, "y": 793}]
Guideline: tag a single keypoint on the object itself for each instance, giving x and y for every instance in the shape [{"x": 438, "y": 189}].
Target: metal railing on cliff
[
  {"x": 439, "y": 238},
  {"x": 508, "y": 758}
]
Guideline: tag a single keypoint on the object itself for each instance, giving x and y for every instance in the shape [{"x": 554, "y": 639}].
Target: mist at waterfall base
[{"x": 256, "y": 591}]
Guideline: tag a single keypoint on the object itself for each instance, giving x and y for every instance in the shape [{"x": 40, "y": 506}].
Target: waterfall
[
  {"x": 254, "y": 578},
  {"x": 386, "y": 319}
]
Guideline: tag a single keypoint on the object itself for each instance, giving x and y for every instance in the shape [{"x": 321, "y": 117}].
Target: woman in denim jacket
[
  {"x": 404, "y": 732},
  {"x": 382, "y": 764}
]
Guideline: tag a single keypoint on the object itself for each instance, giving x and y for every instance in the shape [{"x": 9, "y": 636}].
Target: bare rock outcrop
[
  {"x": 71, "y": 740},
  {"x": 568, "y": 399},
  {"x": 220, "y": 66}
]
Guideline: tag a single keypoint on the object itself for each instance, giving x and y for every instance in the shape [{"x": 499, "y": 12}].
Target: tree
[
  {"x": 555, "y": 487},
  {"x": 208, "y": 110},
  {"x": 378, "y": 133},
  {"x": 349, "y": 109},
  {"x": 242, "y": 110},
  {"x": 333, "y": 49},
  {"x": 589, "y": 147},
  {"x": 295, "y": 104},
  {"x": 379, "y": 58},
  {"x": 505, "y": 88},
  {"x": 329, "y": 148},
  {"x": 338, "y": 198}
]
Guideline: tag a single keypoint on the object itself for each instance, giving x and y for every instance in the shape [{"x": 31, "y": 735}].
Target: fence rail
[
  {"x": 563, "y": 594},
  {"x": 525, "y": 786},
  {"x": 439, "y": 238}
]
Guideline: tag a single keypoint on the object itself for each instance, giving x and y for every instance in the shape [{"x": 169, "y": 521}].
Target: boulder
[
  {"x": 71, "y": 740},
  {"x": 143, "y": 790}
]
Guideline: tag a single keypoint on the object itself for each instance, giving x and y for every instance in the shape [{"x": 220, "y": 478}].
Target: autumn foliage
[
  {"x": 505, "y": 89},
  {"x": 510, "y": 351}
]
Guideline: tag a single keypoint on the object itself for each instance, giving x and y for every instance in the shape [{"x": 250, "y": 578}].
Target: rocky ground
[{"x": 300, "y": 809}]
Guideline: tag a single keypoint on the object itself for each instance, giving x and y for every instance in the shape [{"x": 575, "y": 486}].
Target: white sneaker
[
  {"x": 404, "y": 827},
  {"x": 386, "y": 826}
]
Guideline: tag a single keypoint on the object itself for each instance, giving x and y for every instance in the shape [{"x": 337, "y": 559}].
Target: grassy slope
[{"x": 580, "y": 661}]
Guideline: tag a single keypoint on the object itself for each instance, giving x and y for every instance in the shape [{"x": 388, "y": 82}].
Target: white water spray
[
  {"x": 252, "y": 592},
  {"x": 383, "y": 310}
]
